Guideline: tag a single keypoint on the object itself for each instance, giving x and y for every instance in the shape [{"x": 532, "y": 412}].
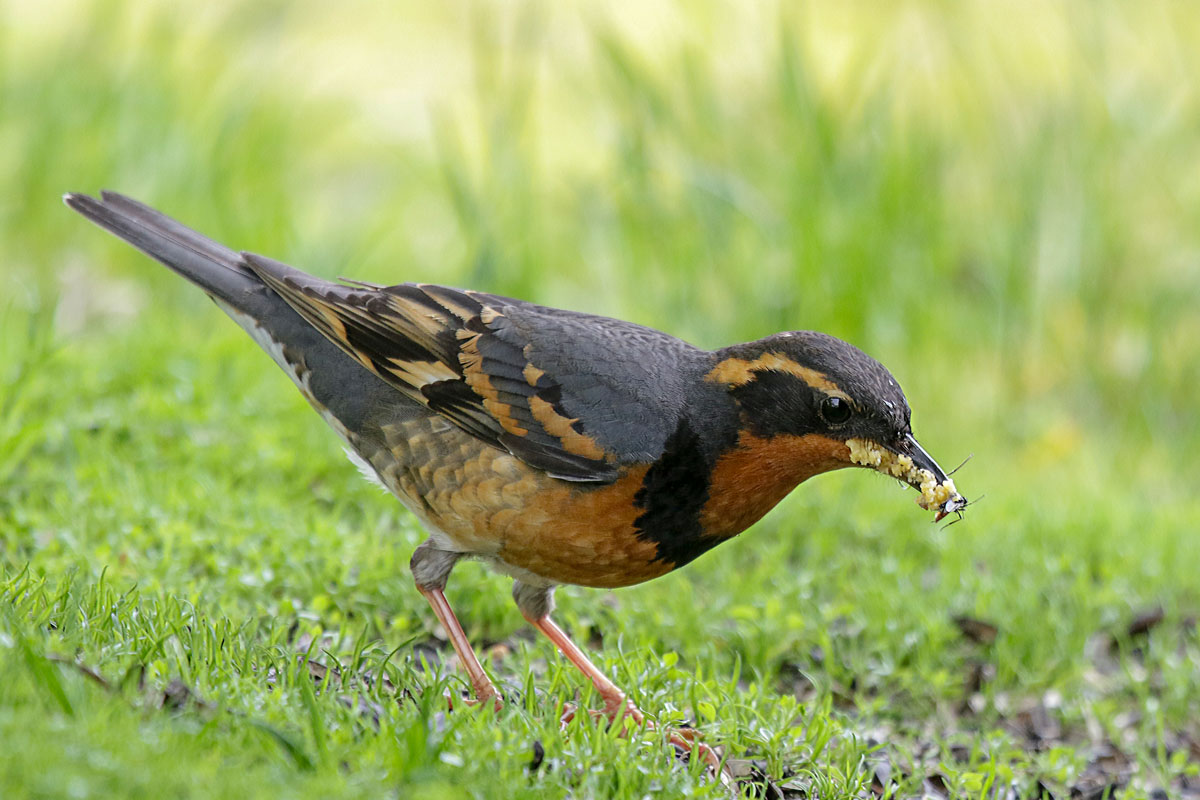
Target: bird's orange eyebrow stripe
[{"x": 740, "y": 371}]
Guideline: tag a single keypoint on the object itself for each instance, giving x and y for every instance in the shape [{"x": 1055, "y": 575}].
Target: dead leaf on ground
[
  {"x": 751, "y": 776},
  {"x": 977, "y": 630},
  {"x": 935, "y": 786},
  {"x": 1145, "y": 621},
  {"x": 177, "y": 696}
]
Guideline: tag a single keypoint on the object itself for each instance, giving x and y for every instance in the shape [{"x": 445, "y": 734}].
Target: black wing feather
[{"x": 456, "y": 354}]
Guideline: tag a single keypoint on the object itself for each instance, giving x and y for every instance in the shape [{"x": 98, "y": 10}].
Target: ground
[{"x": 200, "y": 596}]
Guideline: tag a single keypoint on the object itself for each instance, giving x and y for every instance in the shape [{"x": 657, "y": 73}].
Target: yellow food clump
[{"x": 934, "y": 495}]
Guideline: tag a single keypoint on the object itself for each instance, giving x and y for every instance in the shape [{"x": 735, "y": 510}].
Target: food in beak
[{"x": 937, "y": 490}]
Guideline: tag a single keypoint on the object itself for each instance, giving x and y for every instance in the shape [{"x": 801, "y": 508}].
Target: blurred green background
[{"x": 999, "y": 201}]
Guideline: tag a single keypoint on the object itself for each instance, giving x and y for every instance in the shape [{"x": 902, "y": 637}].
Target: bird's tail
[
  {"x": 212, "y": 266},
  {"x": 340, "y": 388}
]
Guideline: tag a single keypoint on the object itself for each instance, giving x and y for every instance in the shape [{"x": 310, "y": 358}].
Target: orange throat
[{"x": 750, "y": 479}]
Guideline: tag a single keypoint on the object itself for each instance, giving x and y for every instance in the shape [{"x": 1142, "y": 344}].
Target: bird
[{"x": 557, "y": 446}]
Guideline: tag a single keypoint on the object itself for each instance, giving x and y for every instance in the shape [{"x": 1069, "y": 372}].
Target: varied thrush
[{"x": 560, "y": 447}]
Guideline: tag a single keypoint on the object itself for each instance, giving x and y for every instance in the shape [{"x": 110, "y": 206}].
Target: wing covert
[{"x": 457, "y": 353}]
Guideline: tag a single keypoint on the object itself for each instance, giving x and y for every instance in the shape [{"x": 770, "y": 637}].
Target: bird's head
[{"x": 835, "y": 404}]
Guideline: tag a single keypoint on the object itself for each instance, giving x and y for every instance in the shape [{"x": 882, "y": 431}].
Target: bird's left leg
[
  {"x": 430, "y": 568},
  {"x": 535, "y": 604}
]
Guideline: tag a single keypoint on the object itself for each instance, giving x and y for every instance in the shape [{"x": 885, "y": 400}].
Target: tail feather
[
  {"x": 340, "y": 388},
  {"x": 210, "y": 265}
]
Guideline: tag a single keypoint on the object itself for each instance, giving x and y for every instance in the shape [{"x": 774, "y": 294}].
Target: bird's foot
[
  {"x": 487, "y": 698},
  {"x": 687, "y": 740}
]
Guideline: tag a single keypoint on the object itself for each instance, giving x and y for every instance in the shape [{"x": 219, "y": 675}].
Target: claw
[
  {"x": 686, "y": 740},
  {"x": 497, "y": 702}
]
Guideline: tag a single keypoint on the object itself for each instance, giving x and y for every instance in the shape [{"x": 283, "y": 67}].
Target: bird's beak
[
  {"x": 910, "y": 447},
  {"x": 907, "y": 461},
  {"x": 923, "y": 462}
]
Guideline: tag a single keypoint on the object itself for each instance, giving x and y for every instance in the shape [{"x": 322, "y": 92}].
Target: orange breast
[
  {"x": 492, "y": 504},
  {"x": 752, "y": 477},
  {"x": 583, "y": 535}
]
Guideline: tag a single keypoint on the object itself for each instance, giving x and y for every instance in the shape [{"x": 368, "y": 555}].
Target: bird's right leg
[
  {"x": 430, "y": 568},
  {"x": 535, "y": 604}
]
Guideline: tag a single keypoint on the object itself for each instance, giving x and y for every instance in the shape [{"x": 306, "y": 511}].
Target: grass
[{"x": 200, "y": 597}]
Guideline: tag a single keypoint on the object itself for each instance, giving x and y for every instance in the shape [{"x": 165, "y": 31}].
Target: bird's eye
[{"x": 835, "y": 410}]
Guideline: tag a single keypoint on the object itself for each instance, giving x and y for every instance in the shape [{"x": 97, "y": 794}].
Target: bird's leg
[
  {"x": 430, "y": 568},
  {"x": 484, "y": 688},
  {"x": 616, "y": 703},
  {"x": 535, "y": 605}
]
